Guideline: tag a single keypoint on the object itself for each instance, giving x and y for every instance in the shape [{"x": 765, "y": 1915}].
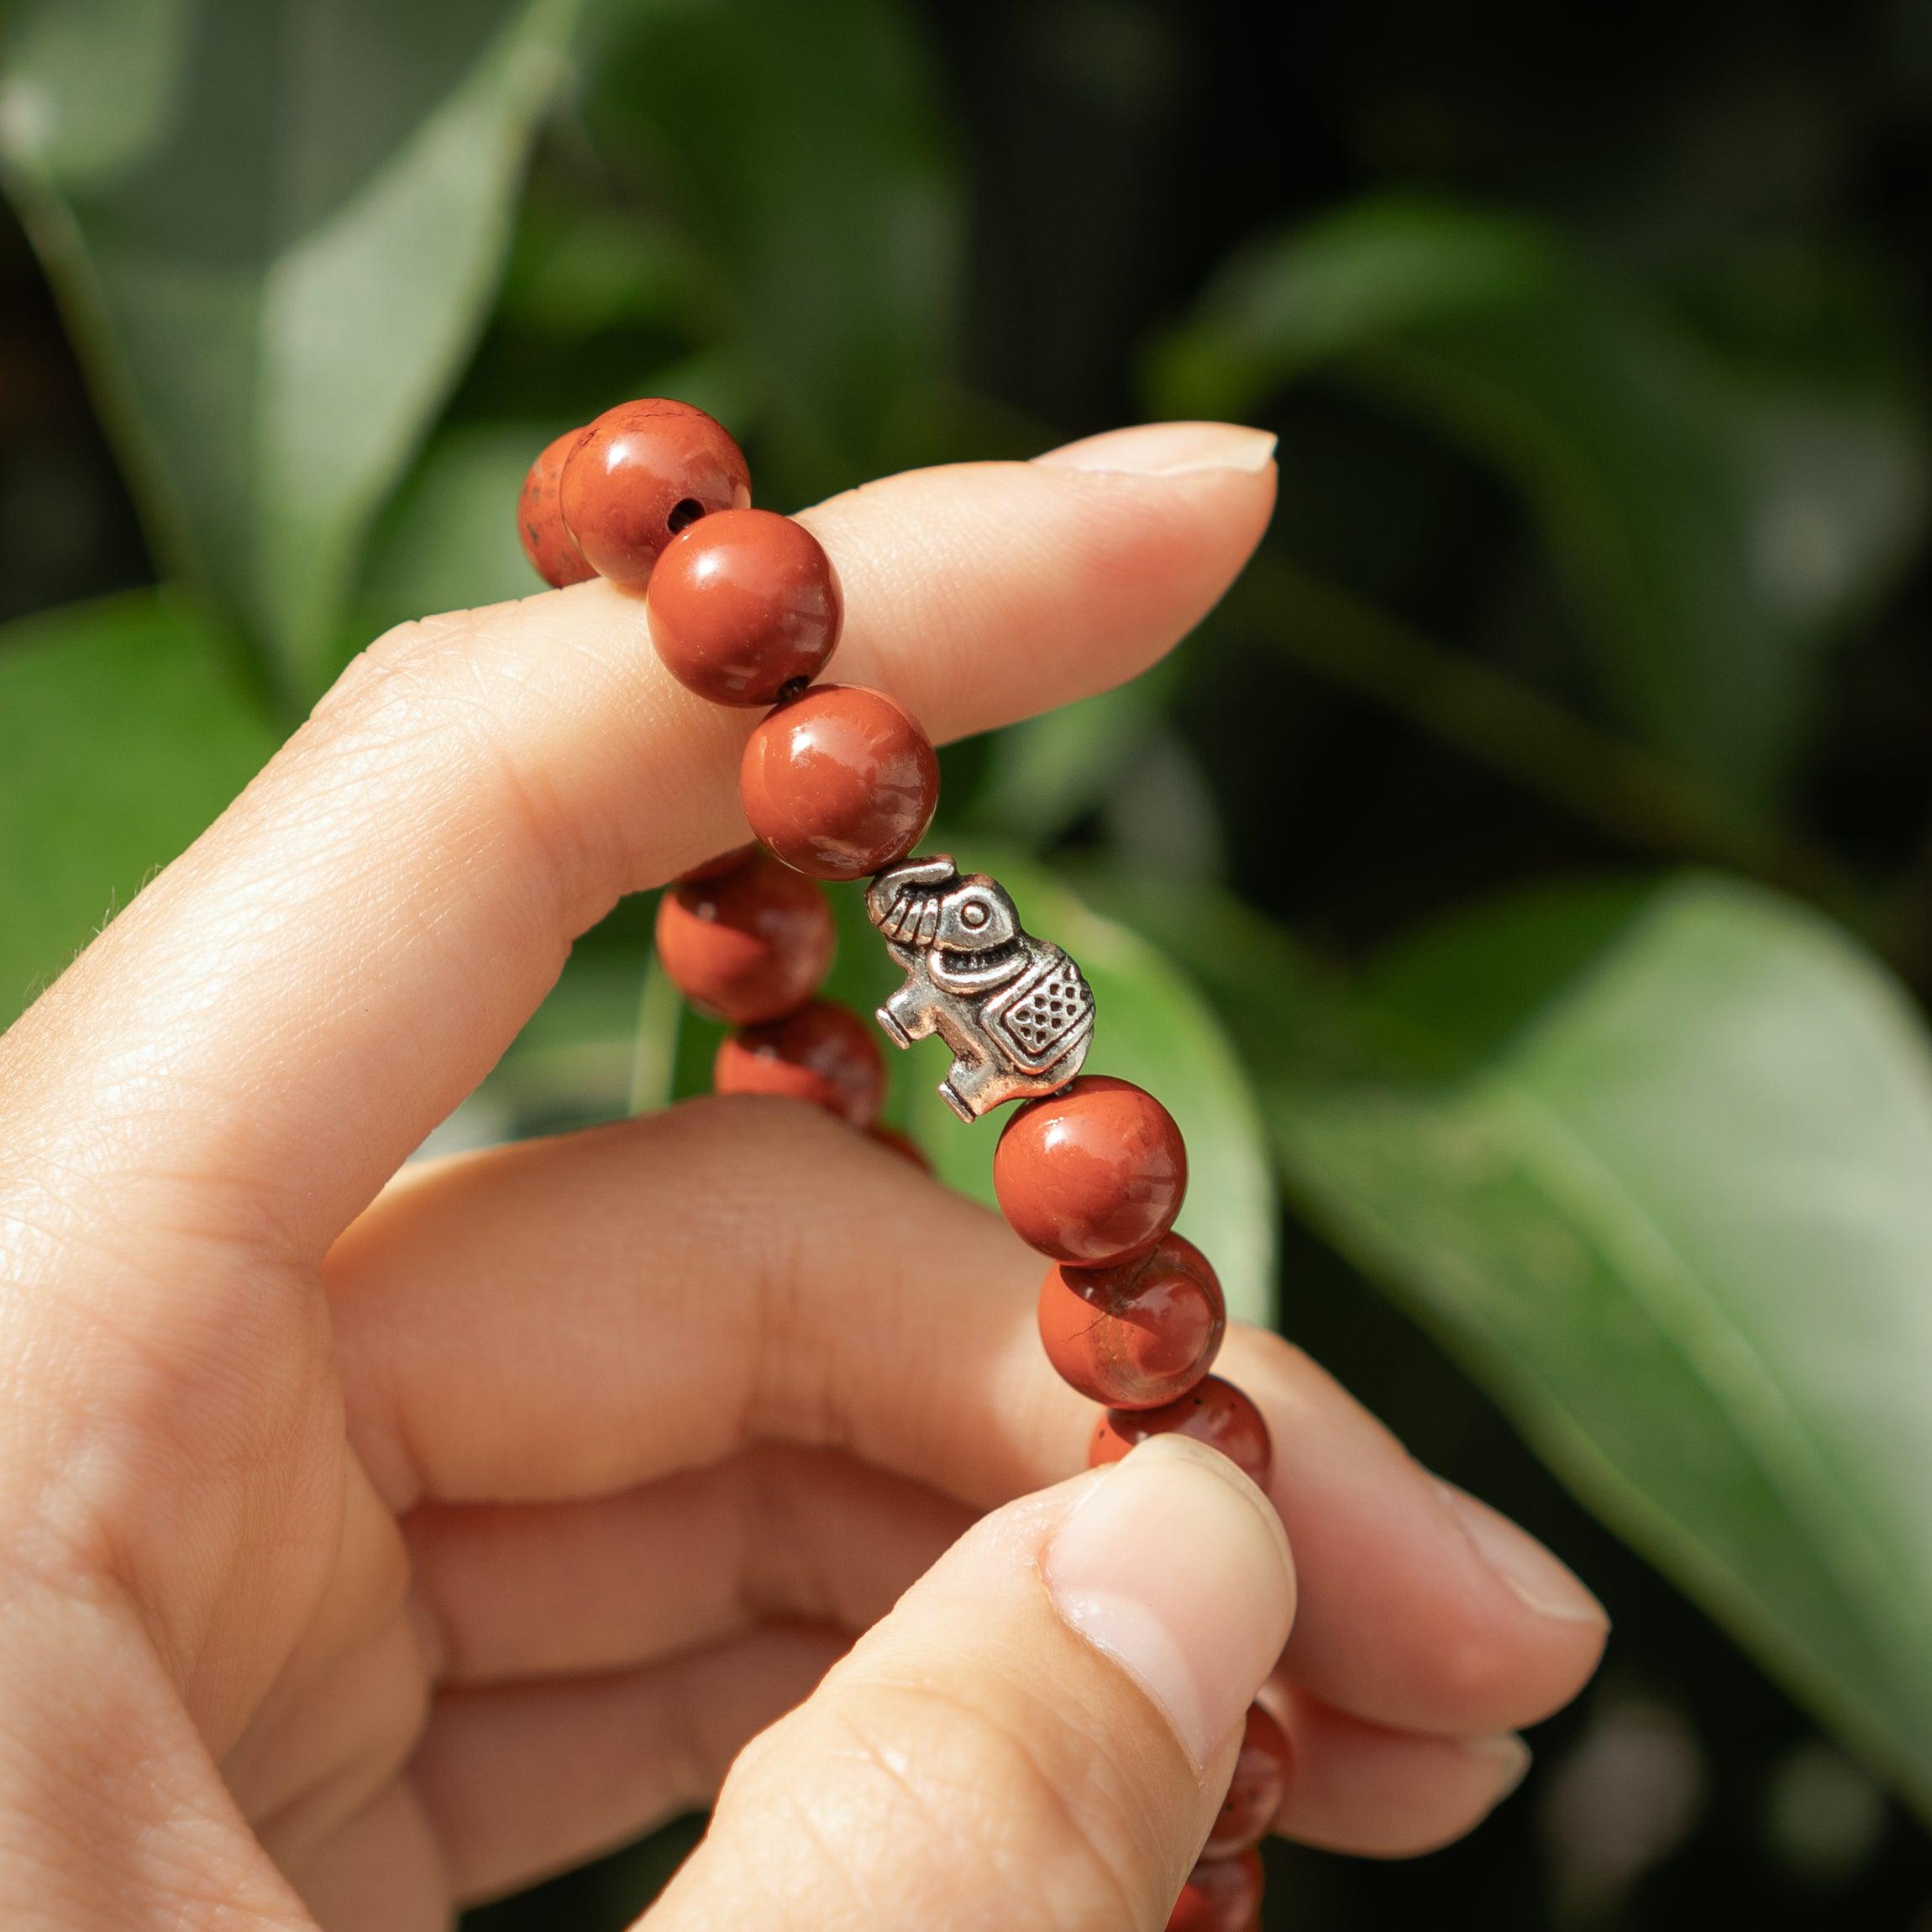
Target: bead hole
[{"x": 684, "y": 512}]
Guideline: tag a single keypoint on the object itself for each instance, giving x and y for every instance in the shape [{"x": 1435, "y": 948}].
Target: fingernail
[
  {"x": 1532, "y": 1574},
  {"x": 1509, "y": 1756},
  {"x": 1176, "y": 1566},
  {"x": 1169, "y": 449}
]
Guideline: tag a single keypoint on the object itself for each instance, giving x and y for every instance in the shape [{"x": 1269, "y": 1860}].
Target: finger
[
  {"x": 574, "y": 1317},
  {"x": 294, "y": 1003},
  {"x": 774, "y": 1536},
  {"x": 342, "y": 1712},
  {"x": 382, "y": 1871},
  {"x": 1361, "y": 1787},
  {"x": 1438, "y": 1667},
  {"x": 525, "y": 1780},
  {"x": 1038, "y": 1736}
]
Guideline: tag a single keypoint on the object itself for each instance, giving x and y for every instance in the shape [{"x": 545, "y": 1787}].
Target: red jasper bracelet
[{"x": 839, "y": 783}]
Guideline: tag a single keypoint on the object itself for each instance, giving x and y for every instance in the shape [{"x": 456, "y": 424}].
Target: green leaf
[
  {"x": 576, "y": 1062},
  {"x": 1658, "y": 1169},
  {"x": 448, "y": 541},
  {"x": 1716, "y": 522},
  {"x": 1045, "y": 773},
  {"x": 802, "y": 149},
  {"x": 122, "y": 733},
  {"x": 575, "y": 272},
  {"x": 275, "y": 225},
  {"x": 1154, "y": 1028},
  {"x": 654, "y": 1045}
]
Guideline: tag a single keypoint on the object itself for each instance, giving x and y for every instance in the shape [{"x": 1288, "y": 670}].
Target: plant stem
[
  {"x": 654, "y": 1046},
  {"x": 1541, "y": 745}
]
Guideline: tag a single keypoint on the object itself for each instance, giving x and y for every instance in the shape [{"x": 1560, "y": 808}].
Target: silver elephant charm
[{"x": 1015, "y": 1010}]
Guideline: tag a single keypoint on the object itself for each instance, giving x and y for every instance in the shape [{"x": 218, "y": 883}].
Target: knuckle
[
  {"x": 1276, "y": 1358},
  {"x": 442, "y": 708},
  {"x": 398, "y": 668},
  {"x": 779, "y": 1131},
  {"x": 343, "y": 1741}
]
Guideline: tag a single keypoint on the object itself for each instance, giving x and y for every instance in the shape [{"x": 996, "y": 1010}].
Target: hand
[{"x": 371, "y": 1542}]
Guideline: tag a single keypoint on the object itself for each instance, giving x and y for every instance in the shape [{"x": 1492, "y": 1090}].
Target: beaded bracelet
[{"x": 839, "y": 783}]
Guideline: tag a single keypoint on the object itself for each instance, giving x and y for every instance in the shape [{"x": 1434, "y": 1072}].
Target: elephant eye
[{"x": 974, "y": 916}]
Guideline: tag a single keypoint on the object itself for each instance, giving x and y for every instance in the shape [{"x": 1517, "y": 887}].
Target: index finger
[{"x": 316, "y": 982}]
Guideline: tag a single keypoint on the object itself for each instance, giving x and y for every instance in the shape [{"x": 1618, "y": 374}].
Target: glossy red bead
[
  {"x": 1213, "y": 1411},
  {"x": 551, "y": 549},
  {"x": 1093, "y": 1174},
  {"x": 745, "y": 605},
  {"x": 839, "y": 782},
  {"x": 903, "y": 1145},
  {"x": 1138, "y": 1334},
  {"x": 1221, "y": 1895},
  {"x": 749, "y": 945},
  {"x": 824, "y": 1053},
  {"x": 1260, "y": 1782},
  {"x": 641, "y": 472}
]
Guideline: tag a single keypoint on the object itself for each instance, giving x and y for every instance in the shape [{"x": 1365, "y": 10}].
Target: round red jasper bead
[
  {"x": 640, "y": 474},
  {"x": 750, "y": 945},
  {"x": 551, "y": 549},
  {"x": 1253, "y": 1800},
  {"x": 1221, "y": 1895},
  {"x": 1213, "y": 1411},
  {"x": 1138, "y": 1334},
  {"x": 1093, "y": 1174},
  {"x": 824, "y": 1053},
  {"x": 840, "y": 782},
  {"x": 743, "y": 605}
]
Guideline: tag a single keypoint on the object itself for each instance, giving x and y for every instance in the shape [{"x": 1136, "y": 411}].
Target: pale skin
[{"x": 373, "y": 1541}]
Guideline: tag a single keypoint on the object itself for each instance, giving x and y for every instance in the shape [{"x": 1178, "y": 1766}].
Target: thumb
[{"x": 1039, "y": 1734}]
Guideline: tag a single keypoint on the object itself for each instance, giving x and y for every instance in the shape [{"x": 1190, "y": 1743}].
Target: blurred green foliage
[
  {"x": 276, "y": 228},
  {"x": 1653, "y": 1162},
  {"x": 1714, "y": 517},
  {"x": 1653, "y": 1158}
]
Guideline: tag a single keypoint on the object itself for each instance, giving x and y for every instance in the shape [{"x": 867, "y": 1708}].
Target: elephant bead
[{"x": 1015, "y": 1010}]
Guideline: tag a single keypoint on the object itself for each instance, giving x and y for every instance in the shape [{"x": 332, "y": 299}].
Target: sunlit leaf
[
  {"x": 1715, "y": 522},
  {"x": 1045, "y": 773},
  {"x": 122, "y": 733},
  {"x": 1658, "y": 1169},
  {"x": 274, "y": 225}
]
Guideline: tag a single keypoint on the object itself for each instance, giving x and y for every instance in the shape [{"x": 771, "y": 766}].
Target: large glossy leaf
[
  {"x": 1658, "y": 1166},
  {"x": 802, "y": 151},
  {"x": 448, "y": 541},
  {"x": 123, "y": 732},
  {"x": 1716, "y": 522},
  {"x": 275, "y": 224},
  {"x": 1153, "y": 1028},
  {"x": 1044, "y": 773}
]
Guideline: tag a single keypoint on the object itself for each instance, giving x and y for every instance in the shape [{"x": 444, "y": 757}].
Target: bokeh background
[{"x": 1526, "y": 872}]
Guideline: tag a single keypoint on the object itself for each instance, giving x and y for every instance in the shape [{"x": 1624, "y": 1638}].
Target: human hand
[{"x": 371, "y": 1542}]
